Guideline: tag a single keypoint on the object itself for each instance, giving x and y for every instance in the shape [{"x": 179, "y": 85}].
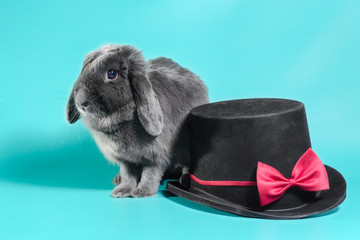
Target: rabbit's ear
[
  {"x": 147, "y": 104},
  {"x": 72, "y": 114}
]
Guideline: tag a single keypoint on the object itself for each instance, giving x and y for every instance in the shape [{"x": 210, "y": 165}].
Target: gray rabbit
[{"x": 137, "y": 112}]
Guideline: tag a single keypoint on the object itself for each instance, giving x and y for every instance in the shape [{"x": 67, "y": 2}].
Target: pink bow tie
[{"x": 308, "y": 174}]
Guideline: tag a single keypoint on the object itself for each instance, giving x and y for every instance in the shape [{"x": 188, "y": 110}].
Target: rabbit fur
[{"x": 140, "y": 119}]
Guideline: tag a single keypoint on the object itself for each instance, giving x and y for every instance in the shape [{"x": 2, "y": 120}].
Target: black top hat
[{"x": 228, "y": 141}]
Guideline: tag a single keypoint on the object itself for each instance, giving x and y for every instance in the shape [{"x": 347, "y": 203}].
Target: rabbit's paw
[
  {"x": 143, "y": 192},
  {"x": 121, "y": 191},
  {"x": 117, "y": 179}
]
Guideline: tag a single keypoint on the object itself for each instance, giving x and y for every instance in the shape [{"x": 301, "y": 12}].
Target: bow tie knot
[{"x": 292, "y": 182}]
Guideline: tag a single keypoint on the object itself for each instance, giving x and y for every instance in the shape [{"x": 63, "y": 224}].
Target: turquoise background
[{"x": 55, "y": 184}]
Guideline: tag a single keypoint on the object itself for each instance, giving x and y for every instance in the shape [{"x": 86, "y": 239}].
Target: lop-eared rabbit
[{"x": 138, "y": 114}]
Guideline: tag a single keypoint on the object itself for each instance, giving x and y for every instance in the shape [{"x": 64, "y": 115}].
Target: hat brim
[{"x": 330, "y": 199}]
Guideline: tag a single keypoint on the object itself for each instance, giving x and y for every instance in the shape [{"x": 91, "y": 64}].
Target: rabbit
[{"x": 138, "y": 114}]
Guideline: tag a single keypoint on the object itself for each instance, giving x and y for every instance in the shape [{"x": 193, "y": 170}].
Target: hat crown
[
  {"x": 246, "y": 108},
  {"x": 229, "y": 138}
]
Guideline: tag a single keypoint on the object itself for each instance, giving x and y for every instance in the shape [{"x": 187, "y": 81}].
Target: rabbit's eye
[{"x": 112, "y": 74}]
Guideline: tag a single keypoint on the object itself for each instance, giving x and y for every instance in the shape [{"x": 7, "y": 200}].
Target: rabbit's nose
[
  {"x": 81, "y": 99},
  {"x": 84, "y": 104}
]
